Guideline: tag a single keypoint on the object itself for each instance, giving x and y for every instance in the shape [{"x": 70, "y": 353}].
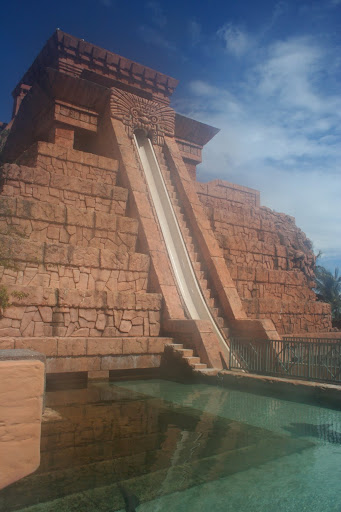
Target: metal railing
[{"x": 310, "y": 359}]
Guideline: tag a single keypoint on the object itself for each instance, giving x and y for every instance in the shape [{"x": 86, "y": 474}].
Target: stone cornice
[
  {"x": 189, "y": 130},
  {"x": 77, "y": 57}
]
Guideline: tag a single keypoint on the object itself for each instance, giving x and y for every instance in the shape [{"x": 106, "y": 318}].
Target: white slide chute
[{"x": 187, "y": 282}]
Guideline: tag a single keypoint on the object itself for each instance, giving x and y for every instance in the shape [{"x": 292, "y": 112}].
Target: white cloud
[
  {"x": 202, "y": 88},
  {"x": 237, "y": 41},
  {"x": 280, "y": 133},
  {"x": 291, "y": 72}
]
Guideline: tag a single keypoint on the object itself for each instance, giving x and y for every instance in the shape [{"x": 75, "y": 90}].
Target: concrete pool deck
[{"x": 290, "y": 389}]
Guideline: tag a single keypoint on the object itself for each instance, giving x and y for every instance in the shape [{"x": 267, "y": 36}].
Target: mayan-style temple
[{"x": 112, "y": 248}]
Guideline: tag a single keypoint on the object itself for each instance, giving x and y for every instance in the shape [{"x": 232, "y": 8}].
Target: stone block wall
[
  {"x": 270, "y": 260},
  {"x": 47, "y": 312},
  {"x": 89, "y": 354},
  {"x": 69, "y": 261},
  {"x": 55, "y": 189},
  {"x": 22, "y": 378}
]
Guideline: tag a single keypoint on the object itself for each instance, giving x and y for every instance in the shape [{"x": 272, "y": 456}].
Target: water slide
[{"x": 187, "y": 282}]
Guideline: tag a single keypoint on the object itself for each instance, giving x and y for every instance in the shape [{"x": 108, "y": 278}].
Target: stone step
[
  {"x": 63, "y": 297},
  {"x": 52, "y": 232},
  {"x": 220, "y": 321},
  {"x": 118, "y": 258},
  {"x": 78, "y": 354},
  {"x": 199, "y": 366},
  {"x": 193, "y": 254},
  {"x": 197, "y": 266},
  {"x": 191, "y": 360},
  {"x": 176, "y": 346},
  {"x": 187, "y": 356},
  {"x": 185, "y": 352},
  {"x": 241, "y": 223},
  {"x": 171, "y": 189},
  {"x": 226, "y": 332},
  {"x": 39, "y": 312},
  {"x": 263, "y": 308},
  {"x": 260, "y": 275},
  {"x": 173, "y": 196},
  {"x": 215, "y": 312},
  {"x": 132, "y": 279},
  {"x": 41, "y": 221},
  {"x": 203, "y": 282},
  {"x": 182, "y": 220},
  {"x": 46, "y": 186},
  {"x": 207, "y": 371},
  {"x": 239, "y": 244},
  {"x": 190, "y": 247},
  {"x": 70, "y": 162},
  {"x": 186, "y": 234},
  {"x": 276, "y": 291},
  {"x": 233, "y": 219},
  {"x": 207, "y": 294},
  {"x": 201, "y": 274}
]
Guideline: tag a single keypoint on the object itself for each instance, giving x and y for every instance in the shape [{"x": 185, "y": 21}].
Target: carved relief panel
[{"x": 156, "y": 119}]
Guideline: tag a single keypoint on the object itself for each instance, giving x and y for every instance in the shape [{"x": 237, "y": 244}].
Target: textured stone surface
[
  {"x": 81, "y": 313},
  {"x": 270, "y": 260},
  {"x": 78, "y": 354},
  {"x": 47, "y": 186},
  {"x": 75, "y": 265},
  {"x": 296, "y": 390},
  {"x": 21, "y": 402}
]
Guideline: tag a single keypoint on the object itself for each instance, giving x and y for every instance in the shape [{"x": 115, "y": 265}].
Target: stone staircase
[
  {"x": 193, "y": 250},
  {"x": 186, "y": 355}
]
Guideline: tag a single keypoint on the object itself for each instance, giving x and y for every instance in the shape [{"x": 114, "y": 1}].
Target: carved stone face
[
  {"x": 156, "y": 119},
  {"x": 143, "y": 116}
]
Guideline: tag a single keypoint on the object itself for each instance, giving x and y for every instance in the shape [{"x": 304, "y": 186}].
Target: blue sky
[{"x": 266, "y": 73}]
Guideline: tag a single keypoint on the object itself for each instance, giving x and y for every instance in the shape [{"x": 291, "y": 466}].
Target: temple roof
[
  {"x": 72, "y": 70},
  {"x": 193, "y": 131},
  {"x": 79, "y": 58}
]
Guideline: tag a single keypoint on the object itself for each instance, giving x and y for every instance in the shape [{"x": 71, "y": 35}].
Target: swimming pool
[{"x": 182, "y": 447}]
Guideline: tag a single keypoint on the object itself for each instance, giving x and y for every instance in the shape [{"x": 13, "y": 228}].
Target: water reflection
[
  {"x": 323, "y": 432},
  {"x": 110, "y": 448},
  {"x": 131, "y": 501}
]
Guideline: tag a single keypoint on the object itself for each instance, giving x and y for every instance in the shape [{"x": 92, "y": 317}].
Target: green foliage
[
  {"x": 4, "y": 299},
  {"x": 19, "y": 295},
  {"x": 328, "y": 289}
]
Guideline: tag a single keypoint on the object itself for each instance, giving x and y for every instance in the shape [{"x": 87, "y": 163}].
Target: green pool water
[{"x": 182, "y": 447}]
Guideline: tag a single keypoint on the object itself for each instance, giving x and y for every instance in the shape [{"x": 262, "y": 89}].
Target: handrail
[
  {"x": 309, "y": 359},
  {"x": 186, "y": 279}
]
